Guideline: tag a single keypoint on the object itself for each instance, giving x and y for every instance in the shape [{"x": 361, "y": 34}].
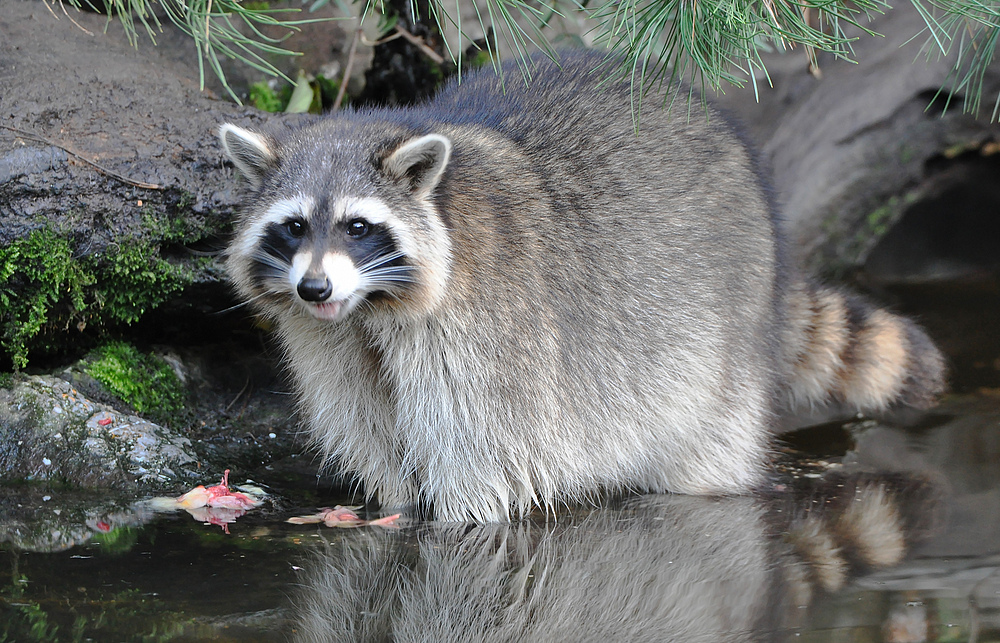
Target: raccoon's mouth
[{"x": 327, "y": 311}]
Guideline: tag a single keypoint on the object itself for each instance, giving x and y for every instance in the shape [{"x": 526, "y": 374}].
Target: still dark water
[{"x": 869, "y": 531}]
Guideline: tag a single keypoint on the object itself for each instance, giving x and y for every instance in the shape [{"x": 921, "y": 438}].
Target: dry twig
[
  {"x": 419, "y": 43},
  {"x": 347, "y": 71},
  {"x": 416, "y": 41},
  {"x": 103, "y": 170}
]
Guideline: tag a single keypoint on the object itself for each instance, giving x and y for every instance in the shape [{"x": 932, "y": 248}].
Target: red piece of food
[
  {"x": 217, "y": 496},
  {"x": 342, "y": 517}
]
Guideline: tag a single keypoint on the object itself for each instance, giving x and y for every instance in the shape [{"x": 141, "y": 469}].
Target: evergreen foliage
[
  {"x": 709, "y": 43},
  {"x": 970, "y": 29},
  {"x": 705, "y": 42},
  {"x": 218, "y": 28}
]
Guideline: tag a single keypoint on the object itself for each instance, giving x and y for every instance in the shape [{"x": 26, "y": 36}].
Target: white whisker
[
  {"x": 269, "y": 260},
  {"x": 375, "y": 262},
  {"x": 379, "y": 276},
  {"x": 242, "y": 304},
  {"x": 393, "y": 273}
]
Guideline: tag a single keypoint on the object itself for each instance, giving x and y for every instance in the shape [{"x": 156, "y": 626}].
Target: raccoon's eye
[
  {"x": 357, "y": 228},
  {"x": 296, "y": 228}
]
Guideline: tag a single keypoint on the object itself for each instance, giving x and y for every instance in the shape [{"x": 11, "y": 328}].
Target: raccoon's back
[
  {"x": 706, "y": 220},
  {"x": 554, "y": 194}
]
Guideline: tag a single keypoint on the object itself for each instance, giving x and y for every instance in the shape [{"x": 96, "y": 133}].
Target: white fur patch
[
  {"x": 300, "y": 264},
  {"x": 370, "y": 209},
  {"x": 342, "y": 274}
]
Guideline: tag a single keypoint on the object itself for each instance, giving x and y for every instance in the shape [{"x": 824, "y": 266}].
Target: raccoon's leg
[
  {"x": 716, "y": 449},
  {"x": 349, "y": 407},
  {"x": 470, "y": 474},
  {"x": 364, "y": 447},
  {"x": 842, "y": 348},
  {"x": 398, "y": 492},
  {"x": 469, "y": 488}
]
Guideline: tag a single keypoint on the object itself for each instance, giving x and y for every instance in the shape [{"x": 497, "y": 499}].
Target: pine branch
[
  {"x": 706, "y": 43},
  {"x": 969, "y": 29},
  {"x": 214, "y": 27},
  {"x": 711, "y": 43}
]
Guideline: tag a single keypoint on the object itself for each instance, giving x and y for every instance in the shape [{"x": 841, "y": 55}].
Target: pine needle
[
  {"x": 655, "y": 43},
  {"x": 213, "y": 28}
]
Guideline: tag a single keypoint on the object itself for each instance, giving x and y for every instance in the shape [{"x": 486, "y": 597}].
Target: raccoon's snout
[{"x": 312, "y": 289}]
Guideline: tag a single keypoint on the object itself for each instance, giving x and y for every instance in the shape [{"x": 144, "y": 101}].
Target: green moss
[
  {"x": 41, "y": 283},
  {"x": 172, "y": 227},
  {"x": 481, "y": 58},
  {"x": 144, "y": 381},
  {"x": 138, "y": 279},
  {"x": 264, "y": 98},
  {"x": 48, "y": 288},
  {"x": 117, "y": 541},
  {"x": 879, "y": 219},
  {"x": 326, "y": 91}
]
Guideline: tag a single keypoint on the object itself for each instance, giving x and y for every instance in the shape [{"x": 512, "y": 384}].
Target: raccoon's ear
[
  {"x": 253, "y": 154},
  {"x": 420, "y": 162}
]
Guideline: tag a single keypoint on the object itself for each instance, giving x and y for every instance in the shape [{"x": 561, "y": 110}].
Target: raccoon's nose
[{"x": 312, "y": 289}]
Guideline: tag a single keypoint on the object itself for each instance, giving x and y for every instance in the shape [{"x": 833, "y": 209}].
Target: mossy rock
[
  {"x": 143, "y": 381},
  {"x": 56, "y": 297},
  {"x": 93, "y": 239},
  {"x": 51, "y": 432}
]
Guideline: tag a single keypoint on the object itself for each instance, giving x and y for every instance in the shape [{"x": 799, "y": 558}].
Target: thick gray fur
[{"x": 585, "y": 309}]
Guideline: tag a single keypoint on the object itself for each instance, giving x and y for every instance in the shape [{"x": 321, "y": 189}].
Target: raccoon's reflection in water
[{"x": 656, "y": 568}]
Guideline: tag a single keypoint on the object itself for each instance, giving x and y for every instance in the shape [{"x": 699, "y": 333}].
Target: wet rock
[
  {"x": 36, "y": 519},
  {"x": 50, "y": 432},
  {"x": 20, "y": 162}
]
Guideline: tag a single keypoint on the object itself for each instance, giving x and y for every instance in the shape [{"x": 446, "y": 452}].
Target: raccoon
[{"x": 506, "y": 298}]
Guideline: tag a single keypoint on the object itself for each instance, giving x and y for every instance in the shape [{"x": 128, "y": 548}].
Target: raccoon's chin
[{"x": 327, "y": 311}]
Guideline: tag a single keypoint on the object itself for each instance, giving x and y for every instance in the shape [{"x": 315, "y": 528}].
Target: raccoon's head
[{"x": 328, "y": 230}]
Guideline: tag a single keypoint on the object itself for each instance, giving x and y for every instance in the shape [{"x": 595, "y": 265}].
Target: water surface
[{"x": 868, "y": 531}]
